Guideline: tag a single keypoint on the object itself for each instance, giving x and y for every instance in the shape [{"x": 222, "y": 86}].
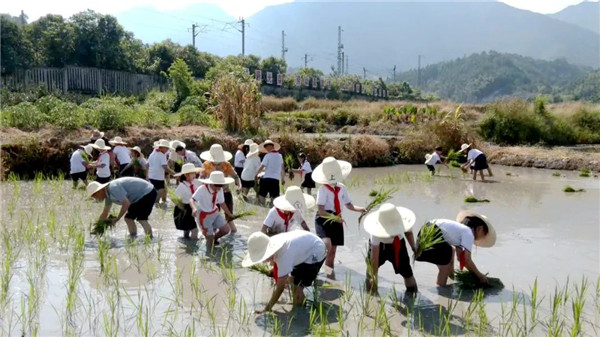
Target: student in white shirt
[
  {"x": 306, "y": 171},
  {"x": 240, "y": 156},
  {"x": 158, "y": 167},
  {"x": 205, "y": 204},
  {"x": 390, "y": 229},
  {"x": 123, "y": 156},
  {"x": 272, "y": 164},
  {"x": 298, "y": 255},
  {"x": 79, "y": 164},
  {"x": 182, "y": 212},
  {"x": 251, "y": 166},
  {"x": 435, "y": 158},
  {"x": 476, "y": 160},
  {"x": 331, "y": 196},
  {"x": 460, "y": 235},
  {"x": 102, "y": 164},
  {"x": 138, "y": 164},
  {"x": 287, "y": 210}
]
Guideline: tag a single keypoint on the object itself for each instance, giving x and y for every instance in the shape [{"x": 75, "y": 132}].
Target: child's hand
[{"x": 195, "y": 213}]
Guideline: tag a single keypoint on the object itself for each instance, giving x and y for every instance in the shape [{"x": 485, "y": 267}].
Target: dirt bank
[{"x": 557, "y": 158}]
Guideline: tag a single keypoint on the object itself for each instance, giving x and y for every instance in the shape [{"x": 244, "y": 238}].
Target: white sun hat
[
  {"x": 163, "y": 143},
  {"x": 389, "y": 221},
  {"x": 253, "y": 150},
  {"x": 246, "y": 142},
  {"x": 261, "y": 247},
  {"x": 176, "y": 143},
  {"x": 117, "y": 141},
  {"x": 276, "y": 146},
  {"x": 97, "y": 134},
  {"x": 293, "y": 200},
  {"x": 188, "y": 168},
  {"x": 100, "y": 145},
  {"x": 217, "y": 178},
  {"x": 427, "y": 157},
  {"x": 88, "y": 148},
  {"x": 490, "y": 239},
  {"x": 94, "y": 187},
  {"x": 216, "y": 154},
  {"x": 464, "y": 147},
  {"x": 331, "y": 171}
]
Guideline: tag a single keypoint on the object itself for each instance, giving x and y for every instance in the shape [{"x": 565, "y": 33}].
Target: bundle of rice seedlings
[
  {"x": 429, "y": 236},
  {"x": 468, "y": 280},
  {"x": 100, "y": 226},
  {"x": 570, "y": 189},
  {"x": 242, "y": 215},
  {"x": 262, "y": 268},
  {"x": 176, "y": 199},
  {"x": 332, "y": 218},
  {"x": 289, "y": 165},
  {"x": 473, "y": 199},
  {"x": 584, "y": 172},
  {"x": 379, "y": 197}
]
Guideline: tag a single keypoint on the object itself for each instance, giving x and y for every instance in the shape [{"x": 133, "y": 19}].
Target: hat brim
[
  {"x": 377, "y": 229},
  {"x": 175, "y": 143},
  {"x": 227, "y": 181},
  {"x": 206, "y": 156},
  {"x": 112, "y": 142},
  {"x": 100, "y": 135},
  {"x": 105, "y": 148},
  {"x": 490, "y": 239},
  {"x": 285, "y": 205},
  {"x": 195, "y": 170},
  {"x": 319, "y": 177},
  {"x": 100, "y": 187},
  {"x": 273, "y": 247},
  {"x": 276, "y": 147},
  {"x": 466, "y": 148},
  {"x": 252, "y": 154}
]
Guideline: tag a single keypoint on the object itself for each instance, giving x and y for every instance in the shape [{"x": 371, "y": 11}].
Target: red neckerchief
[
  {"x": 192, "y": 187},
  {"x": 336, "y": 198},
  {"x": 397, "y": 244},
  {"x": 214, "y": 195},
  {"x": 275, "y": 272},
  {"x": 461, "y": 258},
  {"x": 286, "y": 218},
  {"x": 202, "y": 214},
  {"x": 274, "y": 151}
]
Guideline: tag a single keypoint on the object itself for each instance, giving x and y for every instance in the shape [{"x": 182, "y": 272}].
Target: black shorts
[
  {"x": 325, "y": 228},
  {"x": 102, "y": 180},
  {"x": 480, "y": 163},
  {"x": 229, "y": 200},
  {"x": 158, "y": 184},
  {"x": 305, "y": 273},
  {"x": 269, "y": 186},
  {"x": 431, "y": 168},
  {"x": 176, "y": 167},
  {"x": 248, "y": 183},
  {"x": 125, "y": 172},
  {"x": 184, "y": 220},
  {"x": 440, "y": 254},
  {"x": 308, "y": 181},
  {"x": 79, "y": 176},
  {"x": 239, "y": 170},
  {"x": 141, "y": 209},
  {"x": 387, "y": 253}
]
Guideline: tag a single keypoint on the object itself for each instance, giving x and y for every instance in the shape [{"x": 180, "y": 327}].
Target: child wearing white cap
[
  {"x": 80, "y": 164},
  {"x": 182, "y": 213},
  {"x": 287, "y": 210}
]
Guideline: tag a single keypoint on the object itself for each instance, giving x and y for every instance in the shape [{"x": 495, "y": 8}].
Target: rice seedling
[
  {"x": 556, "y": 324},
  {"x": 288, "y": 161},
  {"x": 378, "y": 198},
  {"x": 570, "y": 189},
  {"x": 263, "y": 268},
  {"x": 429, "y": 236},
  {"x": 584, "y": 172},
  {"x": 467, "y": 280},
  {"x": 577, "y": 305},
  {"x": 556, "y": 174},
  {"x": 100, "y": 227},
  {"x": 473, "y": 199},
  {"x": 241, "y": 215},
  {"x": 175, "y": 199},
  {"x": 331, "y": 218}
]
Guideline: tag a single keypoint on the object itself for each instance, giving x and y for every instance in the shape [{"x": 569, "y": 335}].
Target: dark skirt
[
  {"x": 184, "y": 220},
  {"x": 125, "y": 172},
  {"x": 239, "y": 170},
  {"x": 480, "y": 163},
  {"x": 248, "y": 183},
  {"x": 308, "y": 181},
  {"x": 440, "y": 254},
  {"x": 326, "y": 228}
]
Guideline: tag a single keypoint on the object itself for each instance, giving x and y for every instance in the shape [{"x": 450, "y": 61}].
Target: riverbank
[{"x": 48, "y": 149}]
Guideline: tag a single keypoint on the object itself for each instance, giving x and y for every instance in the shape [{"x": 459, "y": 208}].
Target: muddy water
[{"x": 167, "y": 287}]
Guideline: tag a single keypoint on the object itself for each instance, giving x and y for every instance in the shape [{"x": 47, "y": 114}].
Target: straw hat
[
  {"x": 138, "y": 150},
  {"x": 188, "y": 168},
  {"x": 117, "y": 141},
  {"x": 294, "y": 200},
  {"x": 87, "y": 148},
  {"x": 163, "y": 143},
  {"x": 100, "y": 145},
  {"x": 464, "y": 147},
  {"x": 276, "y": 146},
  {"x": 261, "y": 247},
  {"x": 94, "y": 187},
  {"x": 331, "y": 171},
  {"x": 427, "y": 157},
  {"x": 176, "y": 143},
  {"x": 253, "y": 150},
  {"x": 389, "y": 221},
  {"x": 217, "y": 178},
  {"x": 247, "y": 142},
  {"x": 488, "y": 240},
  {"x": 216, "y": 154},
  {"x": 97, "y": 134}
]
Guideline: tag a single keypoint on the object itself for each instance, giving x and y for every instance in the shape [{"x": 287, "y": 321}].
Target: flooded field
[{"x": 56, "y": 279}]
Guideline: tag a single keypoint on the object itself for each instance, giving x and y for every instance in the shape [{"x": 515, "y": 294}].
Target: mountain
[
  {"x": 587, "y": 88},
  {"x": 487, "y": 76},
  {"x": 585, "y": 15}
]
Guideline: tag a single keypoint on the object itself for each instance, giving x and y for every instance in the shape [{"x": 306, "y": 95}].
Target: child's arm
[
  {"x": 225, "y": 209},
  {"x": 354, "y": 208},
  {"x": 193, "y": 206},
  {"x": 411, "y": 240},
  {"x": 279, "y": 287},
  {"x": 304, "y": 226}
]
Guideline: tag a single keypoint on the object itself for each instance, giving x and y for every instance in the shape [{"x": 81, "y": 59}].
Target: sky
[{"x": 36, "y": 8}]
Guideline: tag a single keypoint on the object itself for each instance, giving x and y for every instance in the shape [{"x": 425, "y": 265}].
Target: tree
[
  {"x": 161, "y": 55},
  {"x": 53, "y": 41},
  {"x": 182, "y": 81},
  {"x": 199, "y": 62},
  {"x": 274, "y": 65},
  {"x": 16, "y": 50}
]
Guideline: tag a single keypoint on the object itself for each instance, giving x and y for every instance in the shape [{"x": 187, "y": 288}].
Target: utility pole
[
  {"x": 243, "y": 22},
  {"x": 339, "y": 54},
  {"x": 283, "y": 48},
  {"x": 343, "y": 59},
  {"x": 194, "y": 34},
  {"x": 364, "y": 73},
  {"x": 305, "y": 60},
  {"x": 347, "y": 67},
  {"x": 419, "y": 73},
  {"x": 394, "y": 76}
]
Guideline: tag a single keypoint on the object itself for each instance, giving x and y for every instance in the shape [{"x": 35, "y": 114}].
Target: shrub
[
  {"x": 270, "y": 103},
  {"x": 236, "y": 103},
  {"x": 48, "y": 103},
  {"x": 108, "y": 114},
  {"x": 25, "y": 116},
  {"x": 67, "y": 116},
  {"x": 197, "y": 102},
  {"x": 587, "y": 125},
  {"x": 342, "y": 117},
  {"x": 190, "y": 115},
  {"x": 510, "y": 122},
  {"x": 150, "y": 116},
  {"x": 182, "y": 81},
  {"x": 162, "y": 100}
]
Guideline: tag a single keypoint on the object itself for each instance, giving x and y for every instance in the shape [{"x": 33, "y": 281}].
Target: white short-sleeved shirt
[
  {"x": 455, "y": 233},
  {"x": 277, "y": 223},
  {"x": 325, "y": 197},
  {"x": 156, "y": 161},
  {"x": 306, "y": 167},
  {"x": 203, "y": 198},
  {"x": 300, "y": 247},
  {"x": 375, "y": 241},
  {"x": 273, "y": 163},
  {"x": 251, "y": 166},
  {"x": 435, "y": 158},
  {"x": 239, "y": 159},
  {"x": 77, "y": 162},
  {"x": 184, "y": 191},
  {"x": 103, "y": 159},
  {"x": 473, "y": 153},
  {"x": 123, "y": 155},
  {"x": 192, "y": 157},
  {"x": 143, "y": 162}
]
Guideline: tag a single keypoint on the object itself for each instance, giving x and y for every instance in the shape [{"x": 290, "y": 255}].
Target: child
[
  {"x": 389, "y": 227},
  {"x": 240, "y": 156},
  {"x": 251, "y": 165},
  {"x": 205, "y": 204},
  {"x": 182, "y": 213},
  {"x": 330, "y": 198},
  {"x": 139, "y": 165},
  {"x": 272, "y": 164},
  {"x": 158, "y": 167},
  {"x": 287, "y": 210},
  {"x": 306, "y": 170},
  {"x": 297, "y": 257},
  {"x": 476, "y": 160},
  {"x": 103, "y": 163},
  {"x": 123, "y": 157},
  {"x": 218, "y": 160},
  {"x": 79, "y": 164},
  {"x": 435, "y": 158},
  {"x": 468, "y": 229}
]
